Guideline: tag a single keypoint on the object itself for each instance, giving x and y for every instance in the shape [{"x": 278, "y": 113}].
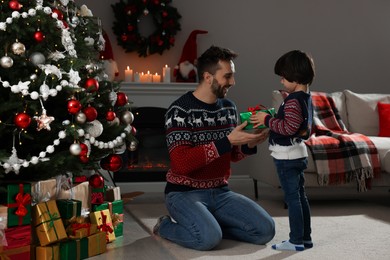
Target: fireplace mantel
[{"x": 155, "y": 94}]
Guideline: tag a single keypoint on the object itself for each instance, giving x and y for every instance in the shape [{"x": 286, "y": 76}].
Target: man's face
[{"x": 223, "y": 79}]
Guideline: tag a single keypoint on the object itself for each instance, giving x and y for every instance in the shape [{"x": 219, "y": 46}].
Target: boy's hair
[
  {"x": 296, "y": 66},
  {"x": 208, "y": 61}
]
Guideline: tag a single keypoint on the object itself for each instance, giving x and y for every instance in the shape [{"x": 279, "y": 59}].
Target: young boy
[{"x": 288, "y": 130}]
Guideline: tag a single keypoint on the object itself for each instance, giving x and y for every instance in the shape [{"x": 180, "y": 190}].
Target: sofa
[{"x": 361, "y": 114}]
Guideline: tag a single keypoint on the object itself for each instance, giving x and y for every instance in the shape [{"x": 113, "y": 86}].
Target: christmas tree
[{"x": 59, "y": 114}]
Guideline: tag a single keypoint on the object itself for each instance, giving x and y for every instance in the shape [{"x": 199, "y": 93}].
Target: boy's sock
[
  {"x": 307, "y": 243},
  {"x": 287, "y": 245}
]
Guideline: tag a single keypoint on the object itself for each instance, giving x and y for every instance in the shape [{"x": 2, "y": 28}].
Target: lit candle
[
  {"x": 137, "y": 78},
  {"x": 143, "y": 77},
  {"x": 149, "y": 77},
  {"x": 156, "y": 78},
  {"x": 128, "y": 74},
  {"x": 167, "y": 74}
]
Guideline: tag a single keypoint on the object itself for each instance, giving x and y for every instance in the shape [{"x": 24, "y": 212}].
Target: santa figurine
[
  {"x": 109, "y": 64},
  {"x": 186, "y": 70}
]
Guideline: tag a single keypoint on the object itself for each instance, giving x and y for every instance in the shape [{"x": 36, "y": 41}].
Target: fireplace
[{"x": 150, "y": 161}]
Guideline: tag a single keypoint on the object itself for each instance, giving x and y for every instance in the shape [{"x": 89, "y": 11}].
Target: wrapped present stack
[{"x": 51, "y": 219}]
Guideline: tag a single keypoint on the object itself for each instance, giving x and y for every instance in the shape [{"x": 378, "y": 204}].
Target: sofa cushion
[
  {"x": 362, "y": 112},
  {"x": 382, "y": 145},
  {"x": 384, "y": 119},
  {"x": 338, "y": 98}
]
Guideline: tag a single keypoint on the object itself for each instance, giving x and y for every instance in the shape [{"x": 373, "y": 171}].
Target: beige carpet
[{"x": 345, "y": 226}]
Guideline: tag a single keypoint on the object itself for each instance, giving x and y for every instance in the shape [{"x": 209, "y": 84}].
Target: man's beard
[{"x": 219, "y": 90}]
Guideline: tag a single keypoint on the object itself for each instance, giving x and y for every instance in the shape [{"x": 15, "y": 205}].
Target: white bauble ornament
[
  {"x": 18, "y": 48},
  {"x": 37, "y": 58},
  {"x": 94, "y": 128},
  {"x": 112, "y": 97},
  {"x": 6, "y": 62},
  {"x": 75, "y": 149},
  {"x": 133, "y": 146}
]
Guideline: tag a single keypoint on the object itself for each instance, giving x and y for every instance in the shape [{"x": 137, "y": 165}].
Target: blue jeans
[
  {"x": 292, "y": 181},
  {"x": 201, "y": 218}
]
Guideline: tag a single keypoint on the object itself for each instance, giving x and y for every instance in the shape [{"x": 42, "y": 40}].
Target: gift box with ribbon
[
  {"x": 79, "y": 192},
  {"x": 69, "y": 208},
  {"x": 81, "y": 230},
  {"x": 17, "y": 198},
  {"x": 112, "y": 194},
  {"x": 48, "y": 223},
  {"x": 245, "y": 116},
  {"x": 74, "y": 249},
  {"x": 51, "y": 252},
  {"x": 116, "y": 211},
  {"x": 44, "y": 190},
  {"x": 104, "y": 223},
  {"x": 18, "y": 253},
  {"x": 79, "y": 179},
  {"x": 97, "y": 244},
  {"x": 17, "y": 237}
]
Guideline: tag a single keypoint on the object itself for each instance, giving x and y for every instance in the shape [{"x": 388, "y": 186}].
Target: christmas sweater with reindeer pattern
[{"x": 200, "y": 152}]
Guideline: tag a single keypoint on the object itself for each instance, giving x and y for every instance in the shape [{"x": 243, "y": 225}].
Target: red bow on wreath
[{"x": 256, "y": 108}]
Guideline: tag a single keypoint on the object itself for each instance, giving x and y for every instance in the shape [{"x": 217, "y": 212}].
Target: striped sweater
[{"x": 200, "y": 152}]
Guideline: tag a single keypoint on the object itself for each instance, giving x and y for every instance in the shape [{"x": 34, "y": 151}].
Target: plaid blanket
[{"x": 340, "y": 156}]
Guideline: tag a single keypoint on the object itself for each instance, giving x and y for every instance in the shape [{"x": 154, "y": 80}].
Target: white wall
[{"x": 349, "y": 40}]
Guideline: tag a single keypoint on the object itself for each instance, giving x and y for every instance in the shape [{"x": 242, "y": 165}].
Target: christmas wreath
[{"x": 128, "y": 14}]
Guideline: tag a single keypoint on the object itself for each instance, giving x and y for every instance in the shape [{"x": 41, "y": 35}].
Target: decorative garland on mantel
[{"x": 128, "y": 14}]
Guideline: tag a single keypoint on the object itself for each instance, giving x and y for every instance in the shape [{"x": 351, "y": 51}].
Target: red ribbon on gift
[
  {"x": 256, "y": 108},
  {"x": 105, "y": 227},
  {"x": 76, "y": 227},
  {"x": 21, "y": 200},
  {"x": 97, "y": 198}
]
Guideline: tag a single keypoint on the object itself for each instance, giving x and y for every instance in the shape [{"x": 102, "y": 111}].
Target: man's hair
[
  {"x": 296, "y": 66},
  {"x": 208, "y": 61}
]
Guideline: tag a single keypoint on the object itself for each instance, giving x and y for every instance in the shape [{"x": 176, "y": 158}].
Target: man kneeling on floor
[{"x": 203, "y": 138}]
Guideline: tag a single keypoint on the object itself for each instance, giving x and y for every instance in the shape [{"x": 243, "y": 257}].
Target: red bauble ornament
[
  {"x": 113, "y": 163},
  {"x": 14, "y": 5},
  {"x": 39, "y": 36},
  {"x": 84, "y": 158},
  {"x": 60, "y": 16},
  {"x": 91, "y": 85},
  {"x": 74, "y": 106},
  {"x": 84, "y": 149},
  {"x": 22, "y": 120},
  {"x": 121, "y": 99},
  {"x": 96, "y": 181},
  {"x": 110, "y": 115},
  {"x": 91, "y": 113},
  {"x": 133, "y": 131}
]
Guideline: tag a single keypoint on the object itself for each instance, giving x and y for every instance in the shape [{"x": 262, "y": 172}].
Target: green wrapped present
[
  {"x": 245, "y": 116},
  {"x": 116, "y": 211},
  {"x": 69, "y": 208},
  {"x": 17, "y": 198}
]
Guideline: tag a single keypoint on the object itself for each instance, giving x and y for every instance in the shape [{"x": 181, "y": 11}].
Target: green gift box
[
  {"x": 245, "y": 116},
  {"x": 17, "y": 198},
  {"x": 74, "y": 249},
  {"x": 116, "y": 211},
  {"x": 69, "y": 208}
]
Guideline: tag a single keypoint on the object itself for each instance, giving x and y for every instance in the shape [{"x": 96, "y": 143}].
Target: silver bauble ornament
[
  {"x": 6, "y": 62},
  {"x": 75, "y": 149},
  {"x": 94, "y": 128},
  {"x": 18, "y": 48},
  {"x": 37, "y": 58},
  {"x": 133, "y": 146},
  {"x": 114, "y": 122},
  {"x": 81, "y": 118},
  {"x": 127, "y": 117}
]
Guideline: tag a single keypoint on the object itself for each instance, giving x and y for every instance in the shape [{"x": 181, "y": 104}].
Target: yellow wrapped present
[
  {"x": 104, "y": 223},
  {"x": 97, "y": 244},
  {"x": 48, "y": 223},
  {"x": 51, "y": 252}
]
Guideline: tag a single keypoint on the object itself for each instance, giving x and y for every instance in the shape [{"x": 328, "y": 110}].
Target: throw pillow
[{"x": 384, "y": 119}]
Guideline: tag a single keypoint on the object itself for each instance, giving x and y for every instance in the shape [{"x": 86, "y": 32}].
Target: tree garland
[{"x": 128, "y": 14}]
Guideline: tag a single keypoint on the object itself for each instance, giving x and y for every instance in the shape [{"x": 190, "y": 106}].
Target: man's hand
[
  {"x": 238, "y": 136},
  {"x": 264, "y": 133},
  {"x": 258, "y": 119}
]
